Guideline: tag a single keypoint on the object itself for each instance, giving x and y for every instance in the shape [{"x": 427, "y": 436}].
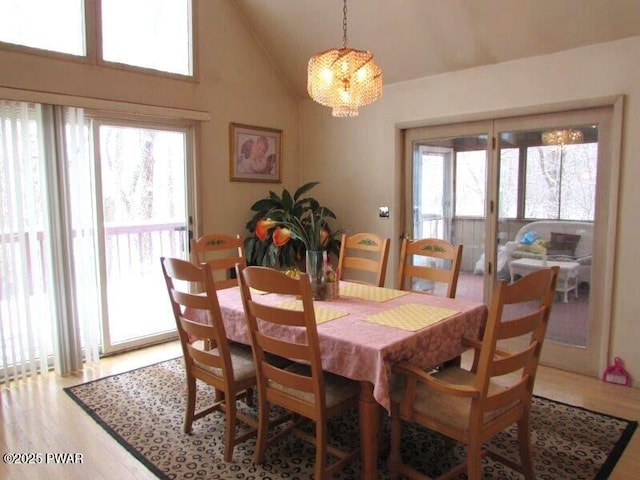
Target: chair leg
[
  {"x": 395, "y": 460},
  {"x": 524, "y": 443},
  {"x": 321, "y": 450},
  {"x": 263, "y": 432},
  {"x": 191, "y": 404},
  {"x": 230, "y": 429},
  {"x": 474, "y": 459}
]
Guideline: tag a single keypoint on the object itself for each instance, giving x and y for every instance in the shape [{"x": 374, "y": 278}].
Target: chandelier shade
[
  {"x": 562, "y": 137},
  {"x": 344, "y": 78}
]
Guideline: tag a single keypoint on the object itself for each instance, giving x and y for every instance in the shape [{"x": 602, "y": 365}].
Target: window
[
  {"x": 470, "y": 183},
  {"x": 548, "y": 182},
  {"x": 148, "y": 34},
  {"x": 432, "y": 190},
  {"x": 55, "y": 26},
  {"x": 561, "y": 182},
  {"x": 508, "y": 194}
]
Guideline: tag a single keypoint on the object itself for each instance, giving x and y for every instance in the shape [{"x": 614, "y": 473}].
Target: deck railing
[{"x": 131, "y": 247}]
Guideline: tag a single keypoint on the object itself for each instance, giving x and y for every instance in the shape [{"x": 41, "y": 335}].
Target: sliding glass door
[
  {"x": 143, "y": 211},
  {"x": 88, "y": 206},
  {"x": 448, "y": 185},
  {"x": 519, "y": 194},
  {"x": 554, "y": 208}
]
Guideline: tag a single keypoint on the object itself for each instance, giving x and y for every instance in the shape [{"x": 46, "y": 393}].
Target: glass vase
[{"x": 316, "y": 260}]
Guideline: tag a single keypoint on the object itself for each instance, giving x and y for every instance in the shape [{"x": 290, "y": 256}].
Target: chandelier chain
[{"x": 344, "y": 25}]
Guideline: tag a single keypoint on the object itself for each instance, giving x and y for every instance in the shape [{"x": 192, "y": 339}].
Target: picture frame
[{"x": 255, "y": 154}]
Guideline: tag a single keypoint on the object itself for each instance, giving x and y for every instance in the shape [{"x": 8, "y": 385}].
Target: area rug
[{"x": 143, "y": 411}]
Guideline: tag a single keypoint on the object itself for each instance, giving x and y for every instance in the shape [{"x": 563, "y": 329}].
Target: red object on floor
[{"x": 617, "y": 374}]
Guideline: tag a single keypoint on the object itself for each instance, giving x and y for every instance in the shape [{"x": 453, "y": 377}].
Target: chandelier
[
  {"x": 562, "y": 137},
  {"x": 343, "y": 78}
]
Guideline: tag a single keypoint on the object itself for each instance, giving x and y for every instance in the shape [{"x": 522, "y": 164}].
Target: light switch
[{"x": 383, "y": 212}]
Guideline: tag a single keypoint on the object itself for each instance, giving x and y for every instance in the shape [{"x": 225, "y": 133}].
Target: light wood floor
[{"x": 38, "y": 417}]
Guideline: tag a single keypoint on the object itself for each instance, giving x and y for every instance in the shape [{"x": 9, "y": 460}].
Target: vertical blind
[
  {"x": 25, "y": 302},
  {"x": 80, "y": 201},
  {"x": 48, "y": 297}
]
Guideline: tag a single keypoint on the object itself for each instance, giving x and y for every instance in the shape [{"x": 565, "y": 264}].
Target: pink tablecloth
[{"x": 364, "y": 351}]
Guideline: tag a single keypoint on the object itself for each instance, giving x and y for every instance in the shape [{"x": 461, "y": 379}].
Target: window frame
[
  {"x": 89, "y": 26},
  {"x": 93, "y": 43},
  {"x": 134, "y": 68}
]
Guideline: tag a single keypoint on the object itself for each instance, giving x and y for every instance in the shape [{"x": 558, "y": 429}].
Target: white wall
[
  {"x": 358, "y": 160},
  {"x": 237, "y": 83}
]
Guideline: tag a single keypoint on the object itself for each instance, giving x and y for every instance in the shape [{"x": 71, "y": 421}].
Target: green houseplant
[{"x": 285, "y": 226}]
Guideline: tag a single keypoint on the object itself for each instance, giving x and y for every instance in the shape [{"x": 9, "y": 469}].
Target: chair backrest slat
[
  {"x": 514, "y": 362},
  {"x": 190, "y": 300},
  {"x": 431, "y": 273},
  {"x": 292, "y": 318},
  {"x": 206, "y": 357},
  {"x": 290, "y": 380},
  {"x": 295, "y": 351},
  {"x": 518, "y": 392},
  {"x": 521, "y": 326}
]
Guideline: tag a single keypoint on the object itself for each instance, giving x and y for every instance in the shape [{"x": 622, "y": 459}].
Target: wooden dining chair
[
  {"x": 208, "y": 355},
  {"x": 303, "y": 388},
  {"x": 428, "y": 262},
  {"x": 471, "y": 406},
  {"x": 221, "y": 252},
  {"x": 363, "y": 258}
]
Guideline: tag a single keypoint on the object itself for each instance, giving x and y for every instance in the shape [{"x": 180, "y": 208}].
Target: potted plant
[{"x": 285, "y": 226}]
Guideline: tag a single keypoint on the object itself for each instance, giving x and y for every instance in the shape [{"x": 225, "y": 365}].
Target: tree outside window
[{"x": 561, "y": 182}]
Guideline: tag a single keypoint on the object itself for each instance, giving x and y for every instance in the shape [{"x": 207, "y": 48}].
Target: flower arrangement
[{"x": 285, "y": 226}]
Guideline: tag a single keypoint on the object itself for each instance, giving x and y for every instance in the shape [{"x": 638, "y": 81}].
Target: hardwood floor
[{"x": 38, "y": 417}]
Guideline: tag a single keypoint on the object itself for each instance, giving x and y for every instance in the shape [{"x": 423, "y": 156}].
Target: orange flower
[
  {"x": 281, "y": 235},
  {"x": 262, "y": 228},
  {"x": 324, "y": 236}
]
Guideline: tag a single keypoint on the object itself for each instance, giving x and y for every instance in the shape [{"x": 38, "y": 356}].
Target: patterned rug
[{"x": 143, "y": 410}]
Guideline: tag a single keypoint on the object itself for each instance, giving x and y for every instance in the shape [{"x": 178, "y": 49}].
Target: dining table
[{"x": 364, "y": 331}]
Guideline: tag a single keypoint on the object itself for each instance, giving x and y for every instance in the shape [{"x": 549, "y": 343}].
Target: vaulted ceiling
[{"x": 417, "y": 38}]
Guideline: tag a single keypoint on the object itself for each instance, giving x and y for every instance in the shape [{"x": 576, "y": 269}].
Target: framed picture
[{"x": 256, "y": 153}]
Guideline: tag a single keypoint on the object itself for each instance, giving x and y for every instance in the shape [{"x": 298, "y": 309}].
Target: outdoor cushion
[{"x": 563, "y": 244}]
